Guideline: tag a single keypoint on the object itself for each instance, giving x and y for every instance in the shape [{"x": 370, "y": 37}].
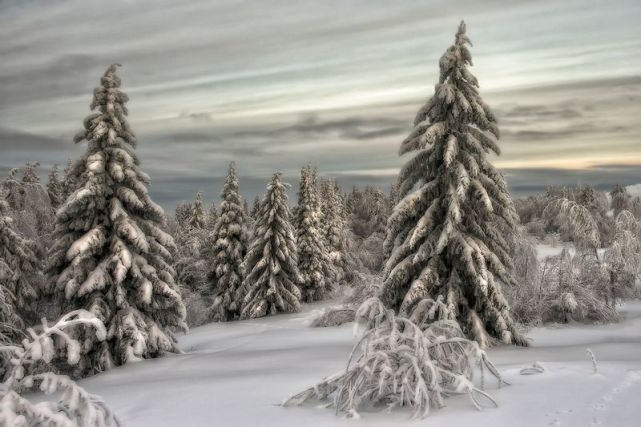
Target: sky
[{"x": 274, "y": 85}]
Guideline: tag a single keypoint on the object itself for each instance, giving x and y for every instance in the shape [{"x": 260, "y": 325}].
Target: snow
[{"x": 237, "y": 373}]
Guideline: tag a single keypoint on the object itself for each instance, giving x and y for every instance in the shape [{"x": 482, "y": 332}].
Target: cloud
[
  {"x": 604, "y": 177},
  {"x": 17, "y": 140},
  {"x": 332, "y": 82}
]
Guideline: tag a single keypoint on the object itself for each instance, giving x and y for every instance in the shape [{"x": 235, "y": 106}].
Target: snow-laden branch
[
  {"x": 76, "y": 406},
  {"x": 396, "y": 363}
]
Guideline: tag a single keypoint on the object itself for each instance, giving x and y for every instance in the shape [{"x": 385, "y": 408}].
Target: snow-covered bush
[
  {"x": 363, "y": 287},
  {"x": 566, "y": 288},
  {"x": 399, "y": 363},
  {"x": 621, "y": 199},
  {"x": 368, "y": 210},
  {"x": 623, "y": 258},
  {"x": 576, "y": 221},
  {"x": 31, "y": 371}
]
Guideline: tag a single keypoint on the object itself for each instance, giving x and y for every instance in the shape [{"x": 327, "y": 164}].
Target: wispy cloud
[{"x": 274, "y": 85}]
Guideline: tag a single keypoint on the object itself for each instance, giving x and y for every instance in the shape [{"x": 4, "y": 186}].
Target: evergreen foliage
[
  {"x": 271, "y": 265},
  {"x": 314, "y": 262},
  {"x": 449, "y": 235},
  {"x": 111, "y": 256},
  {"x": 229, "y": 249},
  {"x": 55, "y": 188}
]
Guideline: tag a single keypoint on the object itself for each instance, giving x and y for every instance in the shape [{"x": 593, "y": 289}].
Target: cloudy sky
[{"x": 274, "y": 85}]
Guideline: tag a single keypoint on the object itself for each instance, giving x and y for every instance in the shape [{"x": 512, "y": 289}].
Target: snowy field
[{"x": 236, "y": 374}]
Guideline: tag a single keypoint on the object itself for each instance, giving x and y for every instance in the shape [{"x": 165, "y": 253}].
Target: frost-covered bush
[
  {"x": 76, "y": 407},
  {"x": 363, "y": 287},
  {"x": 623, "y": 258},
  {"x": 576, "y": 221},
  {"x": 621, "y": 199},
  {"x": 566, "y": 288},
  {"x": 368, "y": 210},
  {"x": 397, "y": 362},
  {"x": 536, "y": 228}
]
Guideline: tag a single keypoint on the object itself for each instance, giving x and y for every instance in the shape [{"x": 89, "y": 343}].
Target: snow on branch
[
  {"x": 76, "y": 406},
  {"x": 396, "y": 363}
]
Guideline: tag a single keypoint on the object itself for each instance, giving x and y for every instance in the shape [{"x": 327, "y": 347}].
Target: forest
[{"x": 433, "y": 272}]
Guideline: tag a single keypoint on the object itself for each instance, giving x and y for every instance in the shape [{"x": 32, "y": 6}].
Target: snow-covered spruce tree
[
  {"x": 313, "y": 258},
  {"x": 111, "y": 256},
  {"x": 255, "y": 208},
  {"x": 230, "y": 247},
  {"x": 30, "y": 173},
  {"x": 54, "y": 187},
  {"x": 271, "y": 265},
  {"x": 212, "y": 217},
  {"x": 71, "y": 176},
  {"x": 197, "y": 219},
  {"x": 333, "y": 225},
  {"x": 447, "y": 237},
  {"x": 18, "y": 270},
  {"x": 621, "y": 200}
]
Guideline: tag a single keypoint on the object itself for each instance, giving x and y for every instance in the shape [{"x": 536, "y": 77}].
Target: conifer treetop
[
  {"x": 111, "y": 255},
  {"x": 449, "y": 235}
]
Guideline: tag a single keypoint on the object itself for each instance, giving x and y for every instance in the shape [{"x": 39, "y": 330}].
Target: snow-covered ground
[{"x": 236, "y": 374}]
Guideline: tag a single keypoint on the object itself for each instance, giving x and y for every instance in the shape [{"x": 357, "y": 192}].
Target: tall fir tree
[
  {"x": 212, "y": 217},
  {"x": 333, "y": 226},
  {"x": 449, "y": 235},
  {"x": 55, "y": 188},
  {"x": 255, "y": 208},
  {"x": 230, "y": 247},
  {"x": 197, "y": 218},
  {"x": 30, "y": 173},
  {"x": 19, "y": 267},
  {"x": 271, "y": 265},
  {"x": 111, "y": 256},
  {"x": 313, "y": 258},
  {"x": 621, "y": 200}
]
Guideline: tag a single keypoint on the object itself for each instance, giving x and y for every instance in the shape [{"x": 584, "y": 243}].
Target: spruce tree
[
  {"x": 212, "y": 217},
  {"x": 18, "y": 270},
  {"x": 449, "y": 235},
  {"x": 621, "y": 200},
  {"x": 230, "y": 247},
  {"x": 111, "y": 256},
  {"x": 333, "y": 225},
  {"x": 197, "y": 219},
  {"x": 255, "y": 208},
  {"x": 271, "y": 265},
  {"x": 313, "y": 258},
  {"x": 30, "y": 173},
  {"x": 55, "y": 187}
]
